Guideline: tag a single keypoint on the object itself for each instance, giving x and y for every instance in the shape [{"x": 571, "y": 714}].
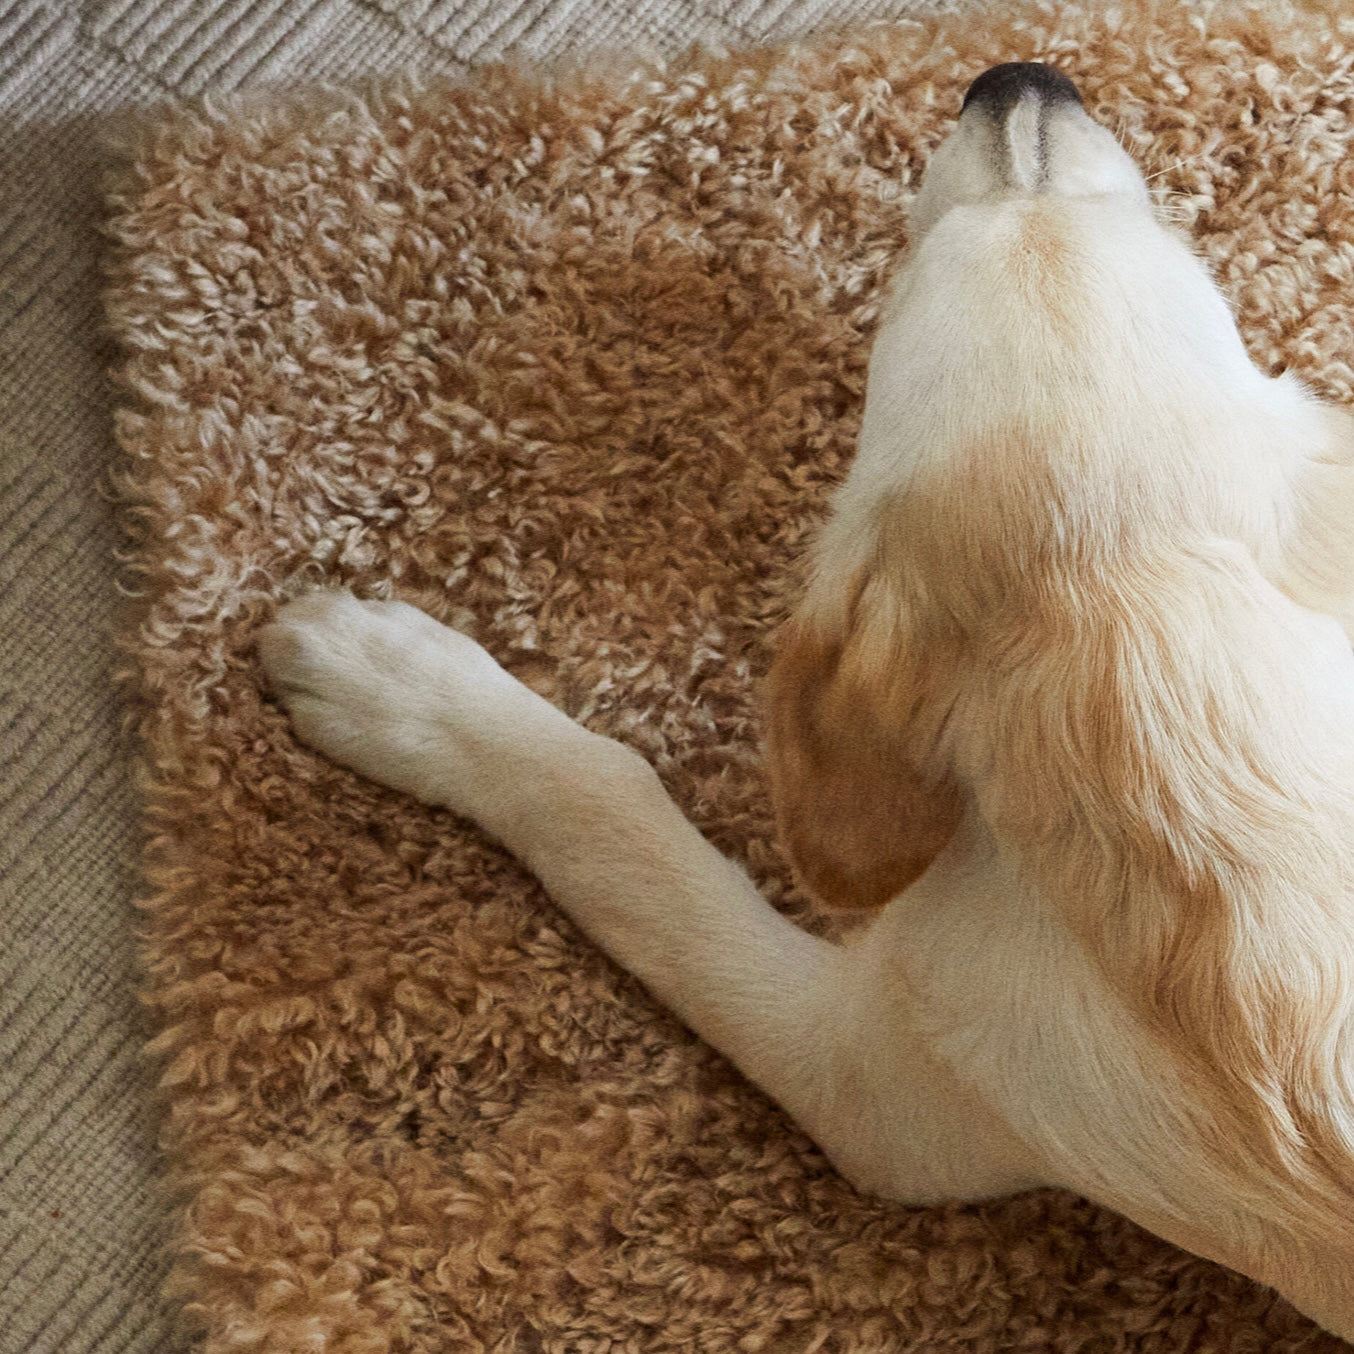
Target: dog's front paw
[{"x": 383, "y": 688}]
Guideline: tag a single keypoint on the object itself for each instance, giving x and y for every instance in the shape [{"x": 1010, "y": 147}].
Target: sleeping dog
[{"x": 1069, "y": 703}]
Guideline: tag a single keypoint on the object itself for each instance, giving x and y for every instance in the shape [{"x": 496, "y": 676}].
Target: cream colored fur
[{"x": 1070, "y": 674}]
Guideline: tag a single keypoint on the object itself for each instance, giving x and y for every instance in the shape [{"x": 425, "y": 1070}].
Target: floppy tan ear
[{"x": 855, "y": 711}]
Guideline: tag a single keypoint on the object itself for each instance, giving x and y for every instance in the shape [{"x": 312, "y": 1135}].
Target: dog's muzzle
[{"x": 1017, "y": 102}]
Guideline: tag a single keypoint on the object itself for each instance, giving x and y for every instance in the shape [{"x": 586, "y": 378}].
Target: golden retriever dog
[{"x": 1069, "y": 702}]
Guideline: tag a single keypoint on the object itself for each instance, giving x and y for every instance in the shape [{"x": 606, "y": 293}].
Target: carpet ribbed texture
[{"x": 573, "y": 365}]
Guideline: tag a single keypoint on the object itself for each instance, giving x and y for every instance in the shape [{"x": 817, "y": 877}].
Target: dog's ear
[{"x": 856, "y": 709}]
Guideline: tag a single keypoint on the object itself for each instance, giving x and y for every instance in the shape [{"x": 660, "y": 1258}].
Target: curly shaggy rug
[{"x": 572, "y": 362}]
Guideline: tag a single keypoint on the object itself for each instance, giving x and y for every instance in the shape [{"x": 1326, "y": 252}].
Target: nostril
[{"x": 998, "y": 89}]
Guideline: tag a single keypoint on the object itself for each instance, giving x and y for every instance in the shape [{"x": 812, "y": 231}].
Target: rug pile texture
[{"x": 573, "y": 362}]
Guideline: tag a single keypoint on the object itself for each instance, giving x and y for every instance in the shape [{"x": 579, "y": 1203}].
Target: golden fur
[{"x": 1072, "y": 596}]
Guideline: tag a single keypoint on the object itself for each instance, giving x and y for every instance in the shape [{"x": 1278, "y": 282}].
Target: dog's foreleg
[
  {"x": 383, "y": 688},
  {"x": 823, "y": 1029}
]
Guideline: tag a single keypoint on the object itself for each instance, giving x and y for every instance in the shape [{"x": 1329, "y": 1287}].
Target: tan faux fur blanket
[{"x": 572, "y": 363}]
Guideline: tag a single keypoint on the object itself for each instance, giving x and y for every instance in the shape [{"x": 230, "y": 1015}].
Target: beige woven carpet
[
  {"x": 79, "y": 1222},
  {"x": 573, "y": 365}
]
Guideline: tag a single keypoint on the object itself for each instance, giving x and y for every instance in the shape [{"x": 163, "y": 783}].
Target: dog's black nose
[{"x": 998, "y": 89}]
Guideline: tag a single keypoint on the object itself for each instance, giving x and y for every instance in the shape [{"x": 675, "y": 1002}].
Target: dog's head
[{"x": 1057, "y": 392}]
